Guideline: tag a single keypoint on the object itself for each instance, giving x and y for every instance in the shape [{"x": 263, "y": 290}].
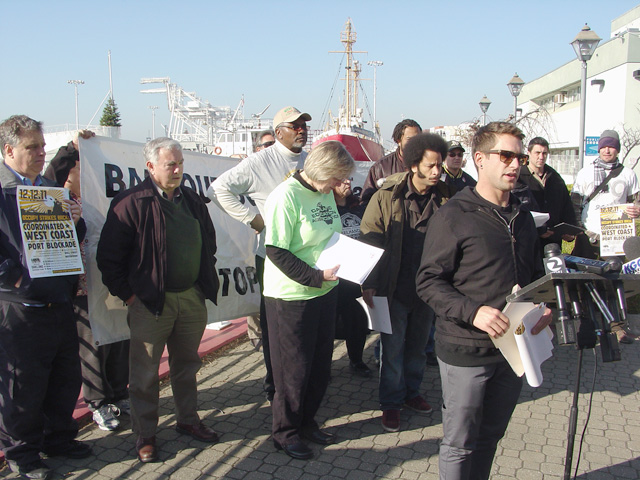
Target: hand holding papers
[
  {"x": 524, "y": 351},
  {"x": 378, "y": 317},
  {"x": 356, "y": 259}
]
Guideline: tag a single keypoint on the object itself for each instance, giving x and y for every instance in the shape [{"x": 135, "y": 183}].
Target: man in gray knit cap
[{"x": 602, "y": 183}]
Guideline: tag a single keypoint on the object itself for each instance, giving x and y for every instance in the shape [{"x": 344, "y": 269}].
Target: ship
[{"x": 349, "y": 126}]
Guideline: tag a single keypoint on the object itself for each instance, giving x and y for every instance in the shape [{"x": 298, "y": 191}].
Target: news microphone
[
  {"x": 554, "y": 263},
  {"x": 553, "y": 259},
  {"x": 631, "y": 247},
  {"x": 588, "y": 265}
]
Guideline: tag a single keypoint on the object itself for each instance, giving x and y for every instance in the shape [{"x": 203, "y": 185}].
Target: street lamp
[
  {"x": 585, "y": 45},
  {"x": 75, "y": 84},
  {"x": 153, "y": 121},
  {"x": 515, "y": 87},
  {"x": 484, "y": 106},
  {"x": 375, "y": 64}
]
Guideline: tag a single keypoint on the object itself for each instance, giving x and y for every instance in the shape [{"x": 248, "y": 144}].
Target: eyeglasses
[
  {"x": 507, "y": 156},
  {"x": 454, "y": 154},
  {"x": 266, "y": 144},
  {"x": 294, "y": 127}
]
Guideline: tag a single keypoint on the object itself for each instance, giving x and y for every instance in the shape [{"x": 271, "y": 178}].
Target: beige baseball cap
[{"x": 289, "y": 114}]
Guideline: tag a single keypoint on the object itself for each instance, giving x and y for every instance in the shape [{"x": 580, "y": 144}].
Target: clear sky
[{"x": 439, "y": 58}]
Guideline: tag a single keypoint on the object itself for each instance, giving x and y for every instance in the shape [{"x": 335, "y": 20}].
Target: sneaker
[
  {"x": 123, "y": 406},
  {"x": 105, "y": 418},
  {"x": 360, "y": 368},
  {"x": 624, "y": 337},
  {"x": 391, "y": 420},
  {"x": 418, "y": 404},
  {"x": 36, "y": 469}
]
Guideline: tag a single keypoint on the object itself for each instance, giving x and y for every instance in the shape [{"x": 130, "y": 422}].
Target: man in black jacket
[
  {"x": 156, "y": 252},
  {"x": 477, "y": 248},
  {"x": 39, "y": 364},
  {"x": 549, "y": 191}
]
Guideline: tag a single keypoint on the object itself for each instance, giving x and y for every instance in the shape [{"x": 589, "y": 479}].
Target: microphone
[
  {"x": 554, "y": 263},
  {"x": 553, "y": 259},
  {"x": 631, "y": 247}
]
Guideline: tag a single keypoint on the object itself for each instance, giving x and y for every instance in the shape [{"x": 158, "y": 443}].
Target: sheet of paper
[
  {"x": 540, "y": 218},
  {"x": 356, "y": 259},
  {"x": 378, "y": 317},
  {"x": 534, "y": 349},
  {"x": 515, "y": 351}
]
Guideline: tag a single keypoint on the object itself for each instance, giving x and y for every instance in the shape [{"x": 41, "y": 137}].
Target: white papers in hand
[
  {"x": 540, "y": 218},
  {"x": 378, "y": 317},
  {"x": 524, "y": 351},
  {"x": 356, "y": 259}
]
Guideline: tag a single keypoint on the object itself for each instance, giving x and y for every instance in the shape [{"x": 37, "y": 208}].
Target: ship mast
[{"x": 348, "y": 38}]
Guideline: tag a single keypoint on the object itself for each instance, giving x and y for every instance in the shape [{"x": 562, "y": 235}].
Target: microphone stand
[{"x": 581, "y": 289}]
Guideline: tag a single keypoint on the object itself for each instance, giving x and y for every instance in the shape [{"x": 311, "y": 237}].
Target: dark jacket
[
  {"x": 471, "y": 258},
  {"x": 553, "y": 199},
  {"x": 378, "y": 172},
  {"x": 132, "y": 248},
  {"x": 13, "y": 263},
  {"x": 383, "y": 225}
]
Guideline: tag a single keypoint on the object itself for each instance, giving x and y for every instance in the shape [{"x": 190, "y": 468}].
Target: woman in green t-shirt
[{"x": 300, "y": 218}]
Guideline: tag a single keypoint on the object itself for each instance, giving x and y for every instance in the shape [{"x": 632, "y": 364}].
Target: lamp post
[
  {"x": 484, "y": 106},
  {"x": 585, "y": 45},
  {"x": 515, "y": 87},
  {"x": 153, "y": 121},
  {"x": 375, "y": 64},
  {"x": 75, "y": 84}
]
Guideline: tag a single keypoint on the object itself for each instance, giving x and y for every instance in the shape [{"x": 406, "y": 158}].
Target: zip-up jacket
[
  {"x": 133, "y": 246},
  {"x": 473, "y": 257},
  {"x": 383, "y": 225},
  {"x": 13, "y": 262}
]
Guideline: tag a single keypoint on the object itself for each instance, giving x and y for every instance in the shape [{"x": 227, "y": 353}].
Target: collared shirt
[
  {"x": 177, "y": 193},
  {"x": 542, "y": 179},
  {"x": 24, "y": 180}
]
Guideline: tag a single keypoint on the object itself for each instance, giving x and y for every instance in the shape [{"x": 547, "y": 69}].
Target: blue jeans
[{"x": 402, "y": 359}]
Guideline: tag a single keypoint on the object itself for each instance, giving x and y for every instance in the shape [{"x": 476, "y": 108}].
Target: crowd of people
[{"x": 454, "y": 248}]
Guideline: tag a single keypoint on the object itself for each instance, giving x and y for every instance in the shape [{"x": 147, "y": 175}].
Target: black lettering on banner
[
  {"x": 188, "y": 182},
  {"x": 225, "y": 272},
  {"x": 134, "y": 179},
  {"x": 113, "y": 177},
  {"x": 252, "y": 277},
  {"x": 240, "y": 281}
]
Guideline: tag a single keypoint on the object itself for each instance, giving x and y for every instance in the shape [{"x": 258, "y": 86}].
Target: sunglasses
[
  {"x": 507, "y": 156},
  {"x": 266, "y": 144},
  {"x": 456, "y": 154}
]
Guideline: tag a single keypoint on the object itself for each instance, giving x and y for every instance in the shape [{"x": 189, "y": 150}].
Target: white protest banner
[
  {"x": 109, "y": 167},
  {"x": 48, "y": 233}
]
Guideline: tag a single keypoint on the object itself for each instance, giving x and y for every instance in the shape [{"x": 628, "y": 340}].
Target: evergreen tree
[{"x": 110, "y": 115}]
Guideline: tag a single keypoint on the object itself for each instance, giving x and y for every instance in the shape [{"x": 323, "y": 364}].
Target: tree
[
  {"x": 110, "y": 115},
  {"x": 629, "y": 140}
]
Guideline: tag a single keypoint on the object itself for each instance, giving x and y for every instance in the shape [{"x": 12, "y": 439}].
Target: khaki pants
[{"x": 180, "y": 328}]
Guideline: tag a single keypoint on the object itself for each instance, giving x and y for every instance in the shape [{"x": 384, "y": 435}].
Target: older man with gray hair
[{"x": 156, "y": 252}]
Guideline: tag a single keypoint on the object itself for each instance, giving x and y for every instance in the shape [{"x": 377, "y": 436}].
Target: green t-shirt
[{"x": 301, "y": 221}]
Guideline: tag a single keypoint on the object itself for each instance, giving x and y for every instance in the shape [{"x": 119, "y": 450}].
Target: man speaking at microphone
[{"x": 477, "y": 248}]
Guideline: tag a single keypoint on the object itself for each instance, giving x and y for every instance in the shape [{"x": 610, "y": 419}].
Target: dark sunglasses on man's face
[
  {"x": 266, "y": 144},
  {"x": 507, "y": 156},
  {"x": 456, "y": 154}
]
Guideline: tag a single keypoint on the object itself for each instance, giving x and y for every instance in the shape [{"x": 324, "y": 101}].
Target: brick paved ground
[{"x": 231, "y": 400}]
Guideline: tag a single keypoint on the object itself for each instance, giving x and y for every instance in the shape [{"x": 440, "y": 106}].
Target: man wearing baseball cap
[
  {"x": 602, "y": 183},
  {"x": 452, "y": 173},
  {"x": 256, "y": 177}
]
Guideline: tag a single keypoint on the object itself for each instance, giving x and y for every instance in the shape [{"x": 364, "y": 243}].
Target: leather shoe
[
  {"x": 199, "y": 432},
  {"x": 146, "y": 449},
  {"x": 71, "y": 449},
  {"x": 36, "y": 470},
  {"x": 297, "y": 450},
  {"x": 318, "y": 436}
]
